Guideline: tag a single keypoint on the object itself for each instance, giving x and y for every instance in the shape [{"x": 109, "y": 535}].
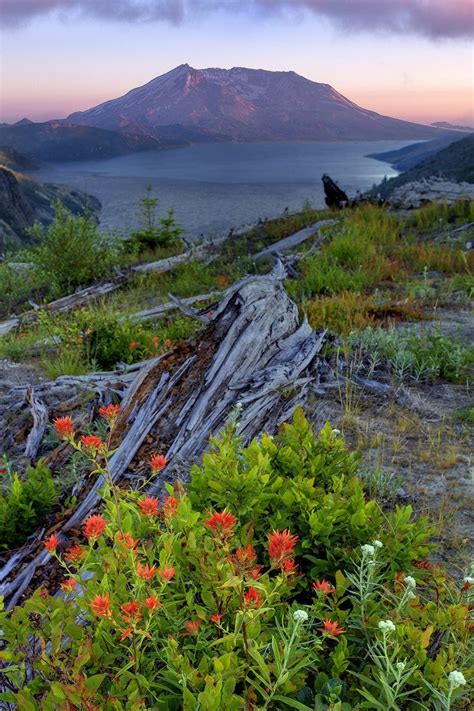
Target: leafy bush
[
  {"x": 17, "y": 286},
  {"x": 71, "y": 252},
  {"x": 24, "y": 503},
  {"x": 421, "y": 355},
  {"x": 173, "y": 605},
  {"x": 99, "y": 338}
]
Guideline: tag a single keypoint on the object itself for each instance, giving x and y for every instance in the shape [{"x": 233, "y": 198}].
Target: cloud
[{"x": 429, "y": 18}]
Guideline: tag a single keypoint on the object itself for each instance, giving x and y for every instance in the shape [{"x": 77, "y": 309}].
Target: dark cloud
[{"x": 431, "y": 18}]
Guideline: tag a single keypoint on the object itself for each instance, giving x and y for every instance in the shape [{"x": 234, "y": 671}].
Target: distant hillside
[
  {"x": 24, "y": 201},
  {"x": 455, "y": 126},
  {"x": 242, "y": 104},
  {"x": 10, "y": 158},
  {"x": 455, "y": 162},
  {"x": 405, "y": 158},
  {"x": 59, "y": 141}
]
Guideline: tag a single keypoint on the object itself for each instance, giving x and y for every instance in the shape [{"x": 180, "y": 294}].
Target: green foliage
[
  {"x": 303, "y": 482},
  {"x": 420, "y": 355},
  {"x": 99, "y": 338},
  {"x": 178, "y": 610},
  {"x": 24, "y": 502},
  {"x": 17, "y": 285},
  {"x": 441, "y": 215},
  {"x": 70, "y": 252},
  {"x": 154, "y": 232}
]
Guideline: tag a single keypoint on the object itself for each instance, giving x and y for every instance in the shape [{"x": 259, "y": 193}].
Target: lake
[{"x": 215, "y": 186}]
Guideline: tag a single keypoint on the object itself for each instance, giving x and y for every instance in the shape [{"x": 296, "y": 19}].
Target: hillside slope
[
  {"x": 244, "y": 105},
  {"x": 24, "y": 201},
  {"x": 455, "y": 162},
  {"x": 60, "y": 141}
]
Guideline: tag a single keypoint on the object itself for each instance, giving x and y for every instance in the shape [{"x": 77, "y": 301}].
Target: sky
[{"x": 411, "y": 59}]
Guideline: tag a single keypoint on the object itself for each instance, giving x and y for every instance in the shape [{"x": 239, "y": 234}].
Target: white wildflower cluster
[
  {"x": 400, "y": 666},
  {"x": 300, "y": 616},
  {"x": 409, "y": 581},
  {"x": 386, "y": 626},
  {"x": 336, "y": 432},
  {"x": 377, "y": 544},
  {"x": 468, "y": 580},
  {"x": 456, "y": 678},
  {"x": 367, "y": 549}
]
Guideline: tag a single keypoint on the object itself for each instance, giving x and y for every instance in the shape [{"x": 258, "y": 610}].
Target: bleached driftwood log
[
  {"x": 39, "y": 413},
  {"x": 254, "y": 351}
]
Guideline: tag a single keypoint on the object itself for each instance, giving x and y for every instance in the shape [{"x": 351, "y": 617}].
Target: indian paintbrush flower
[
  {"x": 64, "y": 427},
  {"x": 94, "y": 527}
]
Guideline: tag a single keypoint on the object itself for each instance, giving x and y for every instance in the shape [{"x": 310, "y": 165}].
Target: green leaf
[{"x": 292, "y": 703}]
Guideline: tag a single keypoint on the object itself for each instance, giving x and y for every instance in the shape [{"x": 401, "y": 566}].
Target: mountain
[
  {"x": 455, "y": 162},
  {"x": 452, "y": 126},
  {"x": 24, "y": 201},
  {"x": 64, "y": 141},
  {"x": 405, "y": 158},
  {"x": 244, "y": 105}
]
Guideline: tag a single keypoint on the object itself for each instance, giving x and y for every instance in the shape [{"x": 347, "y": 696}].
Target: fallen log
[
  {"x": 253, "y": 351},
  {"x": 39, "y": 413},
  {"x": 292, "y": 241}
]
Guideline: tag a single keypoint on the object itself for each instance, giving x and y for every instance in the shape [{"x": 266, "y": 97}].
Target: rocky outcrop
[
  {"x": 24, "y": 201},
  {"x": 432, "y": 189}
]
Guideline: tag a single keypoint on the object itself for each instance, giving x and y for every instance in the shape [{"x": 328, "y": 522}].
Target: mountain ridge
[{"x": 244, "y": 104}]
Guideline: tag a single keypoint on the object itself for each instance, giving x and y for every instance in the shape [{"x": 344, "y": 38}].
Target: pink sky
[{"x": 410, "y": 59}]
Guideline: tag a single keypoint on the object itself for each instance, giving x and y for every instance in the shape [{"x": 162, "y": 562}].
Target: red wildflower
[
  {"x": 128, "y": 540},
  {"x": 332, "y": 629},
  {"x": 149, "y": 506},
  {"x": 221, "y": 523},
  {"x": 126, "y": 633},
  {"x": 170, "y": 506},
  {"x": 254, "y": 572},
  {"x": 158, "y": 462},
  {"x": 131, "y": 611},
  {"x": 422, "y": 564},
  {"x": 93, "y": 443},
  {"x": 252, "y": 597},
  {"x": 64, "y": 427},
  {"x": 192, "y": 626},
  {"x": 69, "y": 585},
  {"x": 280, "y": 546},
  {"x": 166, "y": 573},
  {"x": 133, "y": 344},
  {"x": 94, "y": 527},
  {"x": 74, "y": 554},
  {"x": 145, "y": 572},
  {"x": 245, "y": 555},
  {"x": 323, "y": 586},
  {"x": 110, "y": 413},
  {"x": 100, "y": 605},
  {"x": 289, "y": 567},
  {"x": 216, "y": 618},
  {"x": 155, "y": 340},
  {"x": 152, "y": 602},
  {"x": 51, "y": 543},
  {"x": 467, "y": 585}
]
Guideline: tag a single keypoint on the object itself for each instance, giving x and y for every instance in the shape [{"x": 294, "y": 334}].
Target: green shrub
[
  {"x": 17, "y": 286},
  {"x": 71, "y": 253},
  {"x": 99, "y": 338},
  {"x": 302, "y": 482},
  {"x": 172, "y": 605},
  {"x": 25, "y": 503},
  {"x": 154, "y": 232}
]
